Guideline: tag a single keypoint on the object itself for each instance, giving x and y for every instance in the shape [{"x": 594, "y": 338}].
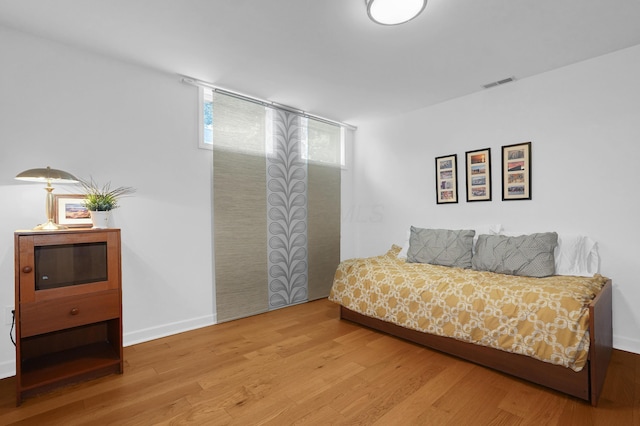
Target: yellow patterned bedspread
[{"x": 545, "y": 318}]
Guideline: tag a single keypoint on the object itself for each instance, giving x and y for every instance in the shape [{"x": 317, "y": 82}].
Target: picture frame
[
  {"x": 447, "y": 179},
  {"x": 516, "y": 172},
  {"x": 478, "y": 165},
  {"x": 69, "y": 210}
]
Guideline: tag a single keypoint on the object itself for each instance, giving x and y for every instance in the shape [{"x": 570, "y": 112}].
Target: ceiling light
[{"x": 394, "y": 12}]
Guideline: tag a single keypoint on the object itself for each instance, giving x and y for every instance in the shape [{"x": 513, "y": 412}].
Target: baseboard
[
  {"x": 165, "y": 330},
  {"x": 8, "y": 368},
  {"x": 626, "y": 344}
]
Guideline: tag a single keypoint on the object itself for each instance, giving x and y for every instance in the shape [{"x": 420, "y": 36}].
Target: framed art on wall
[
  {"x": 516, "y": 172},
  {"x": 478, "y": 165},
  {"x": 70, "y": 211},
  {"x": 447, "y": 179}
]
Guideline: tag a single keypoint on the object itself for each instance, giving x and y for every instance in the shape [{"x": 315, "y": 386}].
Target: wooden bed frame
[{"x": 586, "y": 384}]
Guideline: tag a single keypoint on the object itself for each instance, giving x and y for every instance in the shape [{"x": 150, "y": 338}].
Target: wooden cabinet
[{"x": 68, "y": 307}]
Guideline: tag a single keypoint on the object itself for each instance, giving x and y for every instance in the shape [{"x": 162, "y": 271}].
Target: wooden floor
[{"x": 302, "y": 365}]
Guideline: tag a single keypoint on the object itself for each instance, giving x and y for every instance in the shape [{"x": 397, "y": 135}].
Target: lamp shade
[
  {"x": 394, "y": 12},
  {"x": 47, "y": 175}
]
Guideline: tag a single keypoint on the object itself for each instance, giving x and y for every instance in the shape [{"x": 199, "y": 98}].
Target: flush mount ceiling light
[{"x": 394, "y": 12}]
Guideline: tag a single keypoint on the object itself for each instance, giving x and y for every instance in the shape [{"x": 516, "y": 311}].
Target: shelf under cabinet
[{"x": 66, "y": 366}]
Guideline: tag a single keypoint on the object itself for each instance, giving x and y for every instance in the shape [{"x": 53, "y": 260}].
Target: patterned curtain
[
  {"x": 287, "y": 213},
  {"x": 276, "y": 215}
]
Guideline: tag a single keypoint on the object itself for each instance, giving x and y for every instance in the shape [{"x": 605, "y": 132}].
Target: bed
[{"x": 553, "y": 330}]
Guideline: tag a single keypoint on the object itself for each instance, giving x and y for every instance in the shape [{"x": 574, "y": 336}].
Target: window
[
  {"x": 237, "y": 125},
  {"x": 205, "y": 102},
  {"x": 323, "y": 144},
  {"x": 246, "y": 126}
]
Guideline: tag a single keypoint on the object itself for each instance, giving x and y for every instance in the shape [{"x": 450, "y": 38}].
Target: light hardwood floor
[{"x": 302, "y": 365}]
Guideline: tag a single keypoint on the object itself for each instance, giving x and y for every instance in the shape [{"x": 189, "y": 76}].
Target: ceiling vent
[{"x": 499, "y": 82}]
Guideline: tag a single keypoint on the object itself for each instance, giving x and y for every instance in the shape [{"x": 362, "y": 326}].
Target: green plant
[{"x": 102, "y": 197}]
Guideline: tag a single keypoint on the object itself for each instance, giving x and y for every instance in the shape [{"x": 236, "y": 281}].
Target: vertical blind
[{"x": 276, "y": 180}]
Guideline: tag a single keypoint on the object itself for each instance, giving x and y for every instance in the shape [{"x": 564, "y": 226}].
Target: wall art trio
[{"x": 516, "y": 174}]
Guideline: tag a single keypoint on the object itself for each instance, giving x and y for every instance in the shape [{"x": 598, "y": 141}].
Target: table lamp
[{"x": 48, "y": 175}]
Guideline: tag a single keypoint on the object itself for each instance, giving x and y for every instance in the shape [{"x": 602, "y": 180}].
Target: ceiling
[{"x": 326, "y": 57}]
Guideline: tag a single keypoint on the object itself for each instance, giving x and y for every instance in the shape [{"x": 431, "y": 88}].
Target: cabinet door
[{"x": 55, "y": 265}]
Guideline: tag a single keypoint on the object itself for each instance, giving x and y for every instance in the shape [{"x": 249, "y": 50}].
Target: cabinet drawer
[{"x": 57, "y": 314}]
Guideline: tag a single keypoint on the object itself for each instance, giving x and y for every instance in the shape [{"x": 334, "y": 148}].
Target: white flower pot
[{"x": 100, "y": 219}]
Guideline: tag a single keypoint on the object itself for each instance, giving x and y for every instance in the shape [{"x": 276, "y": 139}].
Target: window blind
[{"x": 276, "y": 180}]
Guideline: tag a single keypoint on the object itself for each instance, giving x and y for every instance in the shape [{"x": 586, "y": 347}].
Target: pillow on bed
[
  {"x": 576, "y": 255},
  {"x": 405, "y": 246},
  {"x": 525, "y": 255},
  {"x": 441, "y": 247}
]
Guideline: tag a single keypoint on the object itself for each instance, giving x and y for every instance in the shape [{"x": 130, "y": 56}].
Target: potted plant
[{"x": 101, "y": 199}]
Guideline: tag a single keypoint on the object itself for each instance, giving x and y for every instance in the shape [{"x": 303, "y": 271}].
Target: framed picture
[
  {"x": 70, "y": 211},
  {"x": 447, "y": 179},
  {"x": 479, "y": 175},
  {"x": 516, "y": 172}
]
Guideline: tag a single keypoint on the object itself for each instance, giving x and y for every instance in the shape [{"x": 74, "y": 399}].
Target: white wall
[
  {"x": 92, "y": 116},
  {"x": 89, "y": 115},
  {"x": 582, "y": 121}
]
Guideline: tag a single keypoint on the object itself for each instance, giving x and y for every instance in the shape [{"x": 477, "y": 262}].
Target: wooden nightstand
[{"x": 68, "y": 307}]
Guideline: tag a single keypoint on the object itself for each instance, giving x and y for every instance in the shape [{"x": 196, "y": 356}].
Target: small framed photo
[
  {"x": 479, "y": 175},
  {"x": 447, "y": 179},
  {"x": 516, "y": 172},
  {"x": 70, "y": 211}
]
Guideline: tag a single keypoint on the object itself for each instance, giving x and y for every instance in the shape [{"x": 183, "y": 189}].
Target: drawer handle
[
  {"x": 27, "y": 269},
  {"x": 74, "y": 311}
]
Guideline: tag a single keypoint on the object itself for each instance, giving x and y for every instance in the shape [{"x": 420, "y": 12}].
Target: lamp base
[{"x": 49, "y": 226}]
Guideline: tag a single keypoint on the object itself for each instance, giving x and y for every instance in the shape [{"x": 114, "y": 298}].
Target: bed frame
[{"x": 586, "y": 384}]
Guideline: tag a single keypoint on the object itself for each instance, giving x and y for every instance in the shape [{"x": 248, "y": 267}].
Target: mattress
[{"x": 544, "y": 318}]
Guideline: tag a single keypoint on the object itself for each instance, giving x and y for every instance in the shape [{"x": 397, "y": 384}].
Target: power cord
[{"x": 13, "y": 322}]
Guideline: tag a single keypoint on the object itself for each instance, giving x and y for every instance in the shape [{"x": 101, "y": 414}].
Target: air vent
[{"x": 499, "y": 82}]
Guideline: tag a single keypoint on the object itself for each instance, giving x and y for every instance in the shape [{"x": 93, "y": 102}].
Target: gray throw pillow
[
  {"x": 441, "y": 247},
  {"x": 526, "y": 255}
]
